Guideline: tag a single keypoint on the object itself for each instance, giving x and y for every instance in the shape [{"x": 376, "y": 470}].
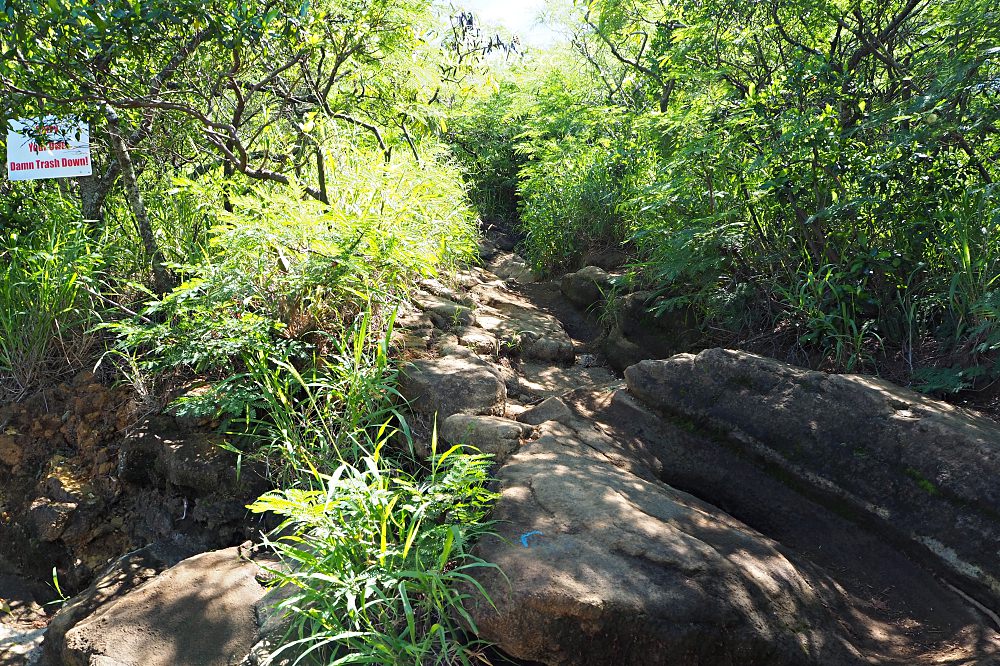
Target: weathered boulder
[
  {"x": 116, "y": 580},
  {"x": 514, "y": 268},
  {"x": 160, "y": 450},
  {"x": 489, "y": 434},
  {"x": 642, "y": 334},
  {"x": 487, "y": 250},
  {"x": 197, "y": 613},
  {"x": 436, "y": 287},
  {"x": 479, "y": 340},
  {"x": 622, "y": 352},
  {"x": 604, "y": 564},
  {"x": 550, "y": 409},
  {"x": 452, "y": 385},
  {"x": 924, "y": 471},
  {"x": 520, "y": 326},
  {"x": 197, "y": 462},
  {"x": 505, "y": 241},
  {"x": 412, "y": 339},
  {"x": 413, "y": 318},
  {"x": 608, "y": 258},
  {"x": 587, "y": 286},
  {"x": 49, "y": 518}
]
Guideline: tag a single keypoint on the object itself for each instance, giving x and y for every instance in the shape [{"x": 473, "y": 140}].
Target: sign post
[{"x": 48, "y": 147}]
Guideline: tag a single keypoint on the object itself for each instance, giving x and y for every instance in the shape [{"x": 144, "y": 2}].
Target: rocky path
[
  {"x": 717, "y": 509},
  {"x": 631, "y": 533}
]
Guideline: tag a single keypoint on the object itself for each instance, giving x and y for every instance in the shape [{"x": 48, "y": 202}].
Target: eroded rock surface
[
  {"x": 645, "y": 331},
  {"x": 197, "y": 613},
  {"x": 605, "y": 564},
  {"x": 117, "y": 579},
  {"x": 924, "y": 470},
  {"x": 522, "y": 327},
  {"x": 514, "y": 268},
  {"x": 490, "y": 434},
  {"x": 453, "y": 385}
]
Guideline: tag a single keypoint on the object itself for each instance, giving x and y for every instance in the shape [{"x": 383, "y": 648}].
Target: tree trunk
[
  {"x": 161, "y": 278},
  {"x": 93, "y": 191},
  {"x": 321, "y": 174}
]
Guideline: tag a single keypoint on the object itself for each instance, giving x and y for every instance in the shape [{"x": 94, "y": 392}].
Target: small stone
[
  {"x": 445, "y": 313},
  {"x": 515, "y": 269},
  {"x": 487, "y": 250},
  {"x": 479, "y": 341}
]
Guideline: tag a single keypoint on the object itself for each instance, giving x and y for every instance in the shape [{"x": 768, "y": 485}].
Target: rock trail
[
  {"x": 692, "y": 512},
  {"x": 655, "y": 538}
]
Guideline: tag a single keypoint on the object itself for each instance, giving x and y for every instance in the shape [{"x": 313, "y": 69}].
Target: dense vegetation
[
  {"x": 821, "y": 174},
  {"x": 268, "y": 185},
  {"x": 272, "y": 177}
]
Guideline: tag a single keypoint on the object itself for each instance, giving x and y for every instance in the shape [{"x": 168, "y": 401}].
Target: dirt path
[{"x": 893, "y": 609}]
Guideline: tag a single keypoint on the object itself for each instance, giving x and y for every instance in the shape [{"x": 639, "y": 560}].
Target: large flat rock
[
  {"x": 924, "y": 471},
  {"x": 197, "y": 613},
  {"x": 604, "y": 564},
  {"x": 117, "y": 579},
  {"x": 519, "y": 324}
]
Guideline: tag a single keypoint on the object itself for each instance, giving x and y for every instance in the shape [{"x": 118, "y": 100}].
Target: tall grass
[
  {"x": 46, "y": 307},
  {"x": 284, "y": 277},
  {"x": 312, "y": 420},
  {"x": 378, "y": 562}
]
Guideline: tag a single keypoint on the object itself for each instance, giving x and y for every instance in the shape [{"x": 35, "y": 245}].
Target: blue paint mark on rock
[{"x": 524, "y": 537}]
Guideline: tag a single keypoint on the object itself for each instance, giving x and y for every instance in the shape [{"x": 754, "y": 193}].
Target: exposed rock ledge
[
  {"x": 604, "y": 564},
  {"x": 926, "y": 471}
]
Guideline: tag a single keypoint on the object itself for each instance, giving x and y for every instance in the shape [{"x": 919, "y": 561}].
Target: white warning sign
[{"x": 47, "y": 148}]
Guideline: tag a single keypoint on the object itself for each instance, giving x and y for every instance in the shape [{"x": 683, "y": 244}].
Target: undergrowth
[
  {"x": 47, "y": 276},
  {"x": 283, "y": 321},
  {"x": 376, "y": 559}
]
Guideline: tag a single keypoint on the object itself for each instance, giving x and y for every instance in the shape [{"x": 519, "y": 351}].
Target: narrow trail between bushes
[
  {"x": 870, "y": 600},
  {"x": 628, "y": 531}
]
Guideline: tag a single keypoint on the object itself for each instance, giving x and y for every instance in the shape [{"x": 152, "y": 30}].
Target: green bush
[
  {"x": 580, "y": 160},
  {"x": 483, "y": 139},
  {"x": 807, "y": 188},
  {"x": 331, "y": 411},
  {"x": 286, "y": 277}
]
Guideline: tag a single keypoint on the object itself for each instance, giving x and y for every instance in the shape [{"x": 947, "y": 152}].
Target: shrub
[{"x": 285, "y": 278}]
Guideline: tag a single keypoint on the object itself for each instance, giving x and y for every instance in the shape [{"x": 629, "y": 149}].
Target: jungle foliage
[
  {"x": 269, "y": 184},
  {"x": 271, "y": 177},
  {"x": 815, "y": 171}
]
